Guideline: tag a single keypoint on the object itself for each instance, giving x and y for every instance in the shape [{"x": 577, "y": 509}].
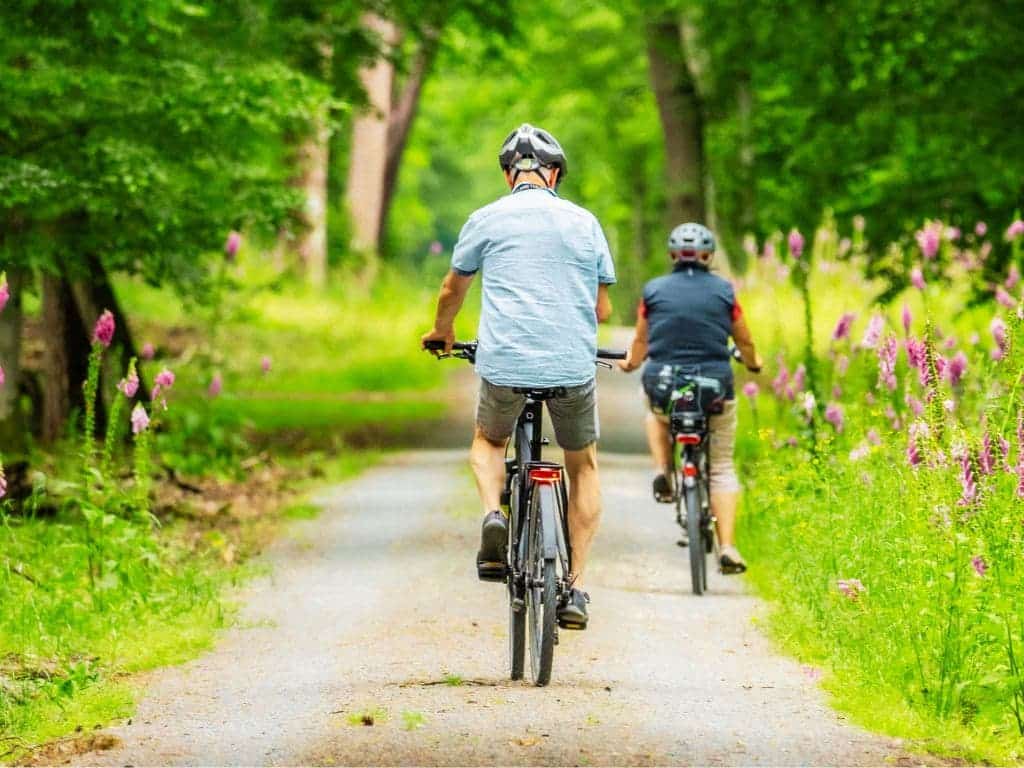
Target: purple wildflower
[
  {"x": 1004, "y": 452},
  {"x": 232, "y": 244},
  {"x": 913, "y": 454},
  {"x": 906, "y": 318},
  {"x": 873, "y": 332},
  {"x": 796, "y": 243},
  {"x": 129, "y": 385},
  {"x": 164, "y": 380},
  {"x": 949, "y": 405},
  {"x": 750, "y": 389},
  {"x": 103, "y": 332},
  {"x": 916, "y": 406},
  {"x": 969, "y": 494},
  {"x": 216, "y": 385},
  {"x": 769, "y": 250},
  {"x": 915, "y": 353},
  {"x": 800, "y": 377},
  {"x": 842, "y": 329},
  {"x": 979, "y": 565},
  {"x": 265, "y": 364},
  {"x": 887, "y": 364},
  {"x": 140, "y": 419},
  {"x": 980, "y": 228},
  {"x": 1004, "y": 298},
  {"x": 5, "y": 291},
  {"x": 917, "y": 278},
  {"x": 781, "y": 380},
  {"x": 851, "y": 588},
  {"x": 3, "y": 481},
  {"x": 998, "y": 330},
  {"x": 1015, "y": 230},
  {"x": 148, "y": 352},
  {"x": 986, "y": 461},
  {"x": 928, "y": 239},
  {"x": 1012, "y": 277},
  {"x": 834, "y": 416},
  {"x": 873, "y": 437},
  {"x": 809, "y": 405},
  {"x": 956, "y": 368}
]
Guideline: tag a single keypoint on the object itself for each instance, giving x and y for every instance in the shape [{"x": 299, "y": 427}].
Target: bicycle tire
[
  {"x": 542, "y": 603},
  {"x": 695, "y": 532},
  {"x": 517, "y": 614}
]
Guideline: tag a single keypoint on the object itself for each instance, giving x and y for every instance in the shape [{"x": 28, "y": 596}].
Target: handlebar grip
[
  {"x": 611, "y": 354},
  {"x": 436, "y": 345}
]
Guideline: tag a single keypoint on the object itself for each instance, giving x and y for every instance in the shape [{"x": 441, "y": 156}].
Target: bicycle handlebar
[{"x": 471, "y": 346}]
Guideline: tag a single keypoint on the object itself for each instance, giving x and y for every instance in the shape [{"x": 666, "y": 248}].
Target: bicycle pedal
[
  {"x": 682, "y": 543},
  {"x": 491, "y": 572},
  {"x": 572, "y": 625}
]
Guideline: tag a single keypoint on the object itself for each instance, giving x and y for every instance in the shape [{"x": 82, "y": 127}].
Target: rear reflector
[
  {"x": 688, "y": 439},
  {"x": 690, "y": 470},
  {"x": 546, "y": 475}
]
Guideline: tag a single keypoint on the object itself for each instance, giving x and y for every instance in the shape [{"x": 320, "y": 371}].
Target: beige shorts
[
  {"x": 573, "y": 417},
  {"x": 723, "y": 444}
]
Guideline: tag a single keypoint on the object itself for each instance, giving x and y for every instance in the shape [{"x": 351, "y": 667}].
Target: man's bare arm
[
  {"x": 449, "y": 301},
  {"x": 637, "y": 352},
  {"x": 745, "y": 343},
  {"x": 604, "y": 304}
]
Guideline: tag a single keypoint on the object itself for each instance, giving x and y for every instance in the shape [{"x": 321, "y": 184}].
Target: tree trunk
[
  {"x": 312, "y": 158},
  {"x": 403, "y": 113},
  {"x": 681, "y": 114},
  {"x": 12, "y": 423},
  {"x": 56, "y": 403},
  {"x": 364, "y": 192}
]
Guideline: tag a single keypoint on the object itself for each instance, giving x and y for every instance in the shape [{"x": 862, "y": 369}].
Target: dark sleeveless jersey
[{"x": 690, "y": 313}]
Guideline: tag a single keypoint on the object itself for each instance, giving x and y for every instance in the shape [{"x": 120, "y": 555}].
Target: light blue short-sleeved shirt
[{"x": 542, "y": 259}]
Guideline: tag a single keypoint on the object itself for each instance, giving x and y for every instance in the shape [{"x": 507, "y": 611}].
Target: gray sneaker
[
  {"x": 490, "y": 560},
  {"x": 572, "y": 614}
]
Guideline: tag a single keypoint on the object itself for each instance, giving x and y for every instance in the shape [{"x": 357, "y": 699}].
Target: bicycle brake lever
[{"x": 603, "y": 364}]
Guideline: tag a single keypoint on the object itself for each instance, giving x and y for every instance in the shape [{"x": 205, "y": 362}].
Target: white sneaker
[{"x": 731, "y": 561}]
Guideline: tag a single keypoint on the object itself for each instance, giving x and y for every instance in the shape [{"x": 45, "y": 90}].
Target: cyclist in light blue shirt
[{"x": 546, "y": 268}]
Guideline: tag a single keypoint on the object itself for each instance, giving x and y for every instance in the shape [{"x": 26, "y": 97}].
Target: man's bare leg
[
  {"x": 723, "y": 507},
  {"x": 488, "y": 462},
  {"x": 658, "y": 442},
  {"x": 584, "y": 505}
]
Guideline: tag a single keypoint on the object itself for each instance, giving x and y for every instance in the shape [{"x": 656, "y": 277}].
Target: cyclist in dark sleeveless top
[{"x": 685, "y": 320}]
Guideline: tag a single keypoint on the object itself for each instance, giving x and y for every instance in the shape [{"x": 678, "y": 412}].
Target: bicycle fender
[{"x": 549, "y": 520}]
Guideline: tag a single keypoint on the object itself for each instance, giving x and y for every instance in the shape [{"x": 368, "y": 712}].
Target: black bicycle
[
  {"x": 693, "y": 401},
  {"x": 539, "y": 555}
]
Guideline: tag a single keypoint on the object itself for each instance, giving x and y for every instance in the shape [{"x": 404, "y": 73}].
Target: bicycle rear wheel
[
  {"x": 516, "y": 596},
  {"x": 694, "y": 531},
  {"x": 542, "y": 598}
]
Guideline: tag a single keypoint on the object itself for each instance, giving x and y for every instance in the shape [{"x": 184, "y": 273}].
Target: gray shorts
[{"x": 574, "y": 417}]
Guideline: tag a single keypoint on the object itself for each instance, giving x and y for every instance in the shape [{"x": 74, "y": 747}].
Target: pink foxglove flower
[
  {"x": 800, "y": 377},
  {"x": 3, "y": 376},
  {"x": 979, "y": 565},
  {"x": 1004, "y": 298},
  {"x": 796, "y": 243},
  {"x": 874, "y": 332},
  {"x": 769, "y": 251},
  {"x": 887, "y": 364},
  {"x": 850, "y": 588},
  {"x": 842, "y": 329},
  {"x": 834, "y": 416},
  {"x": 129, "y": 385},
  {"x": 1015, "y": 230},
  {"x": 916, "y": 406},
  {"x": 917, "y": 278},
  {"x": 3, "y": 481},
  {"x": 5, "y": 291},
  {"x": 913, "y": 454},
  {"x": 980, "y": 229},
  {"x": 436, "y": 247},
  {"x": 750, "y": 389},
  {"x": 140, "y": 419},
  {"x": 781, "y": 380},
  {"x": 232, "y": 244},
  {"x": 873, "y": 437},
  {"x": 998, "y": 330},
  {"x": 148, "y": 352},
  {"x": 969, "y": 493},
  {"x": 1012, "y": 277},
  {"x": 216, "y": 385},
  {"x": 103, "y": 332},
  {"x": 164, "y": 380},
  {"x": 928, "y": 239},
  {"x": 986, "y": 460},
  {"x": 906, "y": 318},
  {"x": 265, "y": 364},
  {"x": 916, "y": 353}
]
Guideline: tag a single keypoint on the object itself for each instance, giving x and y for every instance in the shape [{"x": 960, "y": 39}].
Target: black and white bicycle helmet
[
  {"x": 692, "y": 242},
  {"x": 528, "y": 141}
]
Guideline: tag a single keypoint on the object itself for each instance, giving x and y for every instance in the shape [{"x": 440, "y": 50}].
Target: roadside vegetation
[{"x": 884, "y": 464}]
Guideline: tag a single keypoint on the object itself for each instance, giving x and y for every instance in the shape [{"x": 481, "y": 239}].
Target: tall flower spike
[
  {"x": 998, "y": 330},
  {"x": 5, "y": 291},
  {"x": 917, "y": 278},
  {"x": 906, "y": 318},
  {"x": 232, "y": 244},
  {"x": 140, "y": 419},
  {"x": 969, "y": 493},
  {"x": 873, "y": 332},
  {"x": 887, "y": 364},
  {"x": 834, "y": 416},
  {"x": 842, "y": 329},
  {"x": 986, "y": 460}
]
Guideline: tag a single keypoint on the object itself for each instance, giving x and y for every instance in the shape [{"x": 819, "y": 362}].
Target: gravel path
[{"x": 374, "y": 609}]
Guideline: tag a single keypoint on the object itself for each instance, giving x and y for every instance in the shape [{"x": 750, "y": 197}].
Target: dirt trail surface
[{"x": 374, "y": 609}]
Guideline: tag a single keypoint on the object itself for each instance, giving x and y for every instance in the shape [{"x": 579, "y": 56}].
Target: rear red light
[
  {"x": 546, "y": 475},
  {"x": 690, "y": 470},
  {"x": 688, "y": 439}
]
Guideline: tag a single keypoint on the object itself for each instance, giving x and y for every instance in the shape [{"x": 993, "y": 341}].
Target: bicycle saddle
[{"x": 540, "y": 393}]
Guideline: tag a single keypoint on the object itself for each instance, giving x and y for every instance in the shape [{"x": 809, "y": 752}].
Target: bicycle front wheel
[
  {"x": 542, "y": 600},
  {"x": 694, "y": 531}
]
